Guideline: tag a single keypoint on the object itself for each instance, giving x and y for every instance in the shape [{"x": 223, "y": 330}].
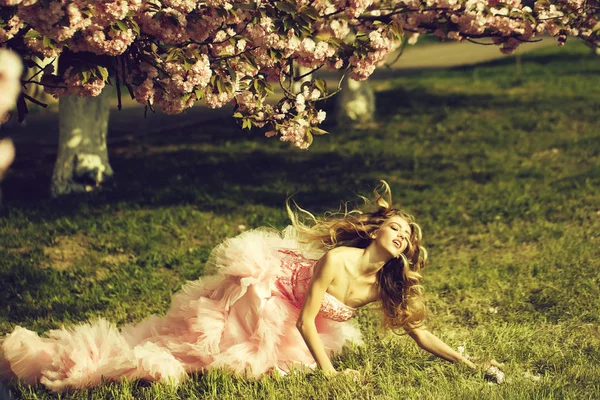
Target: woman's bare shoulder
[{"x": 342, "y": 253}]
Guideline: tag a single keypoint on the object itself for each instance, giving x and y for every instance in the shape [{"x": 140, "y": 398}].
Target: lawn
[{"x": 500, "y": 166}]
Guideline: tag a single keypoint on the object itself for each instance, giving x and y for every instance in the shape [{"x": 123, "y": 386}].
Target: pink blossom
[
  {"x": 13, "y": 26},
  {"x": 184, "y": 6},
  {"x": 217, "y": 100},
  {"x": 183, "y": 44},
  {"x": 321, "y": 116},
  {"x": 295, "y": 131},
  {"x": 300, "y": 103},
  {"x": 361, "y": 68},
  {"x": 170, "y": 27}
]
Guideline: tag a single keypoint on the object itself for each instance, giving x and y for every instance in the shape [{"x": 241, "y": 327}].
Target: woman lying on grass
[{"x": 275, "y": 302}]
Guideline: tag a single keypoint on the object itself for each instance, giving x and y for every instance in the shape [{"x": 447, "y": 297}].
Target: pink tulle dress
[{"x": 243, "y": 317}]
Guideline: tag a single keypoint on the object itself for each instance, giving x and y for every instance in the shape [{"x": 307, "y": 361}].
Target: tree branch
[{"x": 34, "y": 101}]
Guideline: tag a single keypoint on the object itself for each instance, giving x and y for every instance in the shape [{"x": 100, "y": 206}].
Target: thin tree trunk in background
[
  {"x": 299, "y": 71},
  {"x": 356, "y": 103},
  {"x": 82, "y": 161}
]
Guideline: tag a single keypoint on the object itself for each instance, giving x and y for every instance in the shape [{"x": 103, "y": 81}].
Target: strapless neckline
[{"x": 339, "y": 302}]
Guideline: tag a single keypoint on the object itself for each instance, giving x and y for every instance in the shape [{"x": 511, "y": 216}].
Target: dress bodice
[{"x": 297, "y": 272}]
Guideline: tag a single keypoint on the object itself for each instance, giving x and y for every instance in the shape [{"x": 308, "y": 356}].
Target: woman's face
[{"x": 393, "y": 235}]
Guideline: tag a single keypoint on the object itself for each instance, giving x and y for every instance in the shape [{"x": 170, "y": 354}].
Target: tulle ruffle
[{"x": 236, "y": 319}]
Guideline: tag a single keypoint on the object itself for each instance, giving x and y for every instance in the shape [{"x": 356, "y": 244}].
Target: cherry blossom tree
[{"x": 172, "y": 54}]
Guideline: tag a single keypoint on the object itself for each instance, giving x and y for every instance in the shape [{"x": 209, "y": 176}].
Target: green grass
[{"x": 500, "y": 169}]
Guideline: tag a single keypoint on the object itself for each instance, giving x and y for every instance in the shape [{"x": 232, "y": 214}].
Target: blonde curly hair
[{"x": 400, "y": 290}]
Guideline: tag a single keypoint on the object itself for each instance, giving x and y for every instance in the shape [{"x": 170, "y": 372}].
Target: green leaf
[
  {"x": 285, "y": 7},
  {"x": 250, "y": 6},
  {"x": 231, "y": 72},
  {"x": 305, "y": 18},
  {"x": 103, "y": 72},
  {"x": 32, "y": 34},
  {"x": 335, "y": 42},
  {"x": 306, "y": 30},
  {"x": 318, "y": 131},
  {"x": 312, "y": 13},
  {"x": 186, "y": 64},
  {"x": 238, "y": 115},
  {"x": 199, "y": 93},
  {"x": 250, "y": 59},
  {"x": 171, "y": 56},
  {"x": 321, "y": 85},
  {"x": 309, "y": 138},
  {"x": 135, "y": 26},
  {"x": 122, "y": 25},
  {"x": 46, "y": 41},
  {"x": 86, "y": 75},
  {"x": 287, "y": 24}
]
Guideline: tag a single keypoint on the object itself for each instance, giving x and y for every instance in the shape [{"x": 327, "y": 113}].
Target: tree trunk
[
  {"x": 356, "y": 103},
  {"x": 299, "y": 71},
  {"x": 82, "y": 162}
]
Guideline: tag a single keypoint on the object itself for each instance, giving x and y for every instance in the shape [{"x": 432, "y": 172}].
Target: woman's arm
[
  {"x": 323, "y": 276},
  {"x": 431, "y": 343}
]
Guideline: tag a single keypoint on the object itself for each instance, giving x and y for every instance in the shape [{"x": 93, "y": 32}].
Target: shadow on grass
[
  {"x": 20, "y": 302},
  {"x": 423, "y": 101},
  {"x": 216, "y": 166},
  {"x": 218, "y": 180}
]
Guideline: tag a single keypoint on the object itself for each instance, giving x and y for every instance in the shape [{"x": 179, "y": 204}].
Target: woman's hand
[
  {"x": 493, "y": 372},
  {"x": 429, "y": 342},
  {"x": 350, "y": 371},
  {"x": 354, "y": 374}
]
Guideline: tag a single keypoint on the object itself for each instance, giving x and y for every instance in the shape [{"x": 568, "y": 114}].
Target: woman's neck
[{"x": 372, "y": 260}]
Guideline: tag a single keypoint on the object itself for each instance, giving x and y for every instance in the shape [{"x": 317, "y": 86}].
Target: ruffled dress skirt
[{"x": 242, "y": 318}]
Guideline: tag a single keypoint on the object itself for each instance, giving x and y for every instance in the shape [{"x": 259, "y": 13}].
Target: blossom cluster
[{"x": 173, "y": 53}]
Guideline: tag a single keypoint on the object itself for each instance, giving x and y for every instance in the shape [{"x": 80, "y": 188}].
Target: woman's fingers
[
  {"x": 496, "y": 364},
  {"x": 494, "y": 374},
  {"x": 353, "y": 373}
]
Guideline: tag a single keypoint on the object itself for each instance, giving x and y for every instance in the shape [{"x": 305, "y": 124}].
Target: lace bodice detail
[{"x": 294, "y": 282}]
